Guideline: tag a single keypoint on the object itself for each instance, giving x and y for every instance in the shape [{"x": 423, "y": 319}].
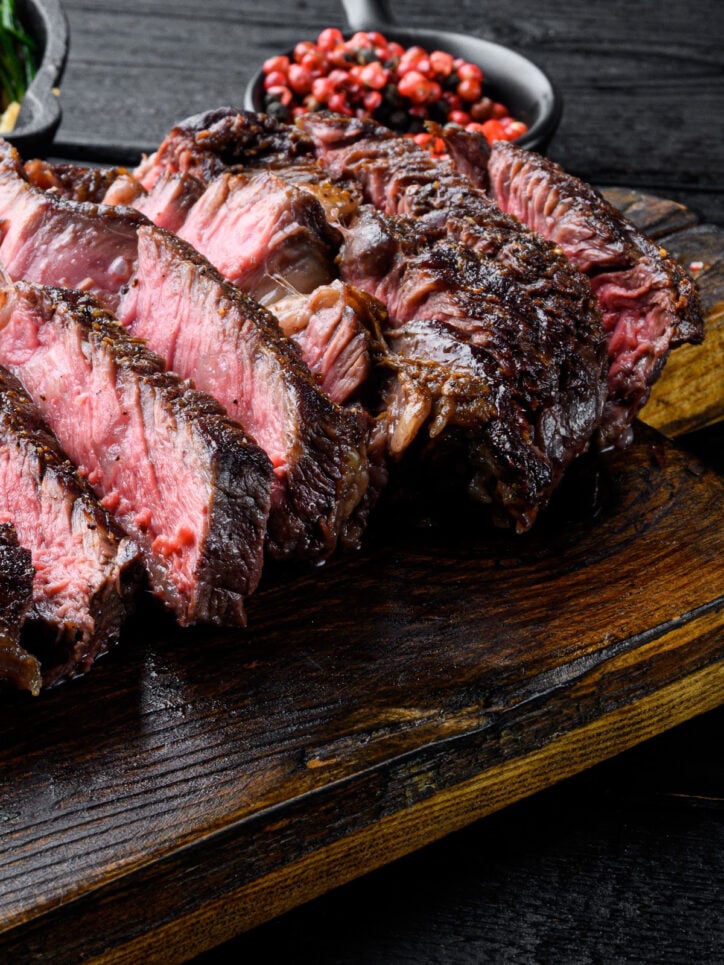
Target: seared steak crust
[
  {"x": 86, "y": 570},
  {"x": 153, "y": 280},
  {"x": 72, "y": 181},
  {"x": 178, "y": 475},
  {"x": 16, "y": 589},
  {"x": 543, "y": 387},
  {"x": 206, "y": 144},
  {"x": 400, "y": 178},
  {"x": 649, "y": 304},
  {"x": 193, "y": 316}
]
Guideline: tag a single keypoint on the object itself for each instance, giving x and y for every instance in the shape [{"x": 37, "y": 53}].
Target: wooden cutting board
[{"x": 197, "y": 783}]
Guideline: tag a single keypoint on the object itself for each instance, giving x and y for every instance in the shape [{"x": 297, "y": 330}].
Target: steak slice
[
  {"x": 207, "y": 144},
  {"x": 543, "y": 388},
  {"x": 176, "y": 473},
  {"x": 531, "y": 276},
  {"x": 53, "y": 241},
  {"x": 16, "y": 590},
  {"x": 208, "y": 329},
  {"x": 269, "y": 234},
  {"x": 331, "y": 328},
  {"x": 73, "y": 181},
  {"x": 271, "y": 240},
  {"x": 167, "y": 205},
  {"x": 263, "y": 235},
  {"x": 194, "y": 319},
  {"x": 86, "y": 570},
  {"x": 649, "y": 304}
]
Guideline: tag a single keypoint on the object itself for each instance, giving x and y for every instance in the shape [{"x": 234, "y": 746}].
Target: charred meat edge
[
  {"x": 229, "y": 565},
  {"x": 649, "y": 304},
  {"x": 333, "y": 436},
  {"x": 17, "y": 665},
  {"x": 65, "y": 650}
]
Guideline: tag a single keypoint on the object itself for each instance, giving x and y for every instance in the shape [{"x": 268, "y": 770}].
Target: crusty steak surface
[
  {"x": 86, "y": 569},
  {"x": 211, "y": 331},
  {"x": 17, "y": 665},
  {"x": 544, "y": 389},
  {"x": 648, "y": 302},
  {"x": 177, "y": 474},
  {"x": 318, "y": 450}
]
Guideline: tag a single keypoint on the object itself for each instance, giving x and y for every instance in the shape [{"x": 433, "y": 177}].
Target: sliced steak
[
  {"x": 176, "y": 473},
  {"x": 167, "y": 205},
  {"x": 86, "y": 570},
  {"x": 263, "y": 235},
  {"x": 205, "y": 145},
  {"x": 270, "y": 239},
  {"x": 331, "y": 327},
  {"x": 73, "y": 181},
  {"x": 506, "y": 309},
  {"x": 649, "y": 304},
  {"x": 16, "y": 590},
  {"x": 529, "y": 275},
  {"x": 208, "y": 329},
  {"x": 53, "y": 241},
  {"x": 194, "y": 319},
  {"x": 545, "y": 388}
]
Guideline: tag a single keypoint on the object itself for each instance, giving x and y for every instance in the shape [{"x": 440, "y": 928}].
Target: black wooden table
[{"x": 625, "y": 862}]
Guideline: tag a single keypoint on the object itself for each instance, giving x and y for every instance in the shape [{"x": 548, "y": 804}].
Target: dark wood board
[{"x": 197, "y": 783}]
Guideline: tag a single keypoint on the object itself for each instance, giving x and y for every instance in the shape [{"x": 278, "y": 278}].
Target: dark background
[{"x": 626, "y": 862}]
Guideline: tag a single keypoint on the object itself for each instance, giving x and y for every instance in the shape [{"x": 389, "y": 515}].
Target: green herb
[{"x": 17, "y": 64}]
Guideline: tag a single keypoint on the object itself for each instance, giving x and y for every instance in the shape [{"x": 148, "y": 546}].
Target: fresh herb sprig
[{"x": 17, "y": 63}]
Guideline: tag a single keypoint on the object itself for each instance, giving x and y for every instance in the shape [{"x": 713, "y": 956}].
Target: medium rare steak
[
  {"x": 649, "y": 304},
  {"x": 268, "y": 229},
  {"x": 53, "y": 241},
  {"x": 16, "y": 590},
  {"x": 167, "y": 205},
  {"x": 176, "y": 473},
  {"x": 208, "y": 144},
  {"x": 517, "y": 300},
  {"x": 543, "y": 388},
  {"x": 331, "y": 327},
  {"x": 86, "y": 570},
  {"x": 527, "y": 274},
  {"x": 263, "y": 235},
  {"x": 270, "y": 239},
  {"x": 207, "y": 330},
  {"x": 264, "y": 231}
]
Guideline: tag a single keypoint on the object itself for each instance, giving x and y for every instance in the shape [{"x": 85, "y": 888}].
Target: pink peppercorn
[{"x": 368, "y": 75}]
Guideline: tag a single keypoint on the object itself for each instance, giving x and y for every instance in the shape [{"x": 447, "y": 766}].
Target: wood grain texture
[
  {"x": 370, "y": 707},
  {"x": 618, "y": 864}
]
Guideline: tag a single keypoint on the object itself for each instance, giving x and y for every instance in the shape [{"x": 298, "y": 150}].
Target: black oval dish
[
  {"x": 509, "y": 77},
  {"x": 39, "y": 113}
]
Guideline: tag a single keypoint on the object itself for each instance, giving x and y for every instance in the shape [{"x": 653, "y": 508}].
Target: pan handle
[{"x": 368, "y": 14}]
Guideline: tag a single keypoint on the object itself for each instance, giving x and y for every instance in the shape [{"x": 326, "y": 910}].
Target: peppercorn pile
[{"x": 370, "y": 76}]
